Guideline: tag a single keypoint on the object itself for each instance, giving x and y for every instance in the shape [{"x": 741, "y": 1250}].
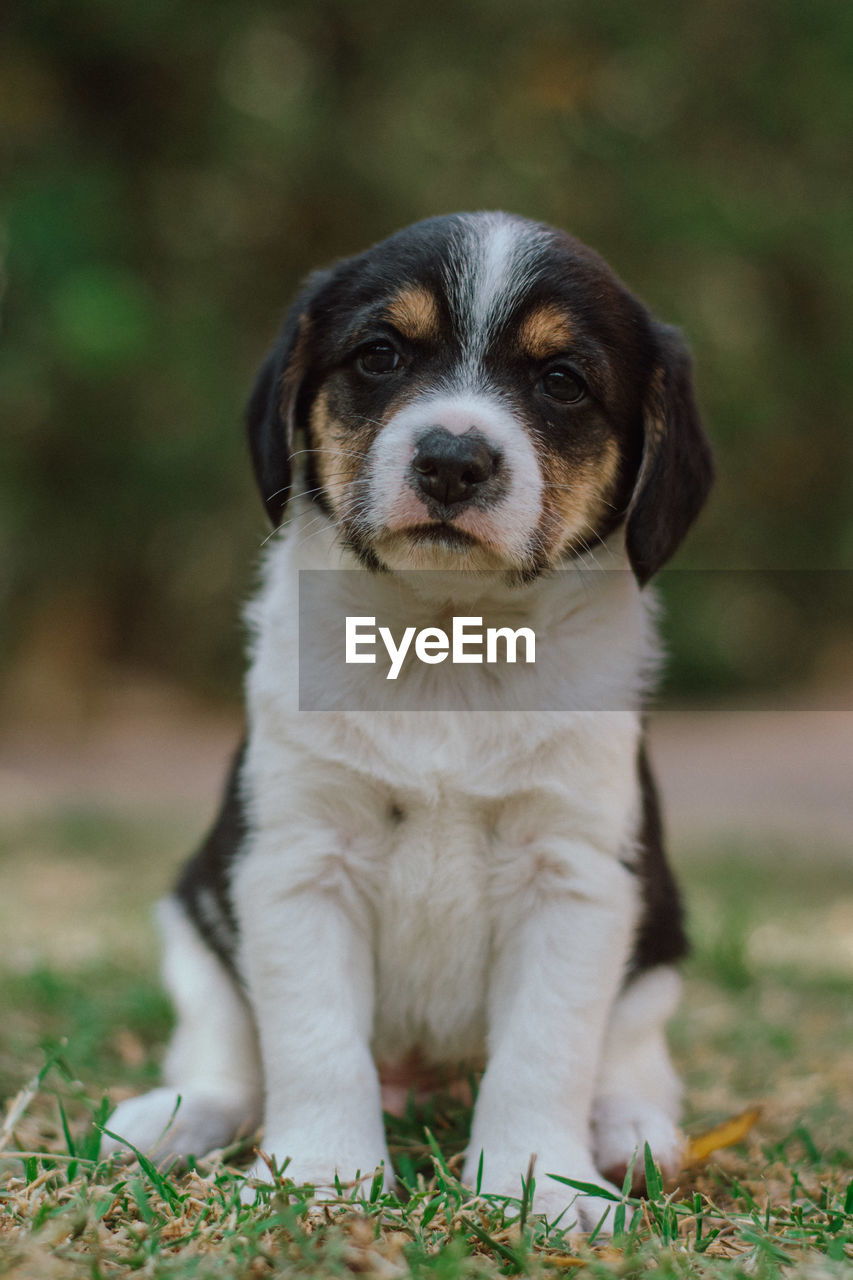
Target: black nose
[{"x": 452, "y": 469}]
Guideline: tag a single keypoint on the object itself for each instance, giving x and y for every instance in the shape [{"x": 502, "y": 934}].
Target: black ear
[
  {"x": 677, "y": 469},
  {"x": 271, "y": 414}
]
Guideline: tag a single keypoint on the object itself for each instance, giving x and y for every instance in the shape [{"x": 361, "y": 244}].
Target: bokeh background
[
  {"x": 171, "y": 169},
  {"x": 174, "y": 168}
]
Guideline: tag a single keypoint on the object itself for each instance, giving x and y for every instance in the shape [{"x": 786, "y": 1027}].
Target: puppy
[{"x": 480, "y": 884}]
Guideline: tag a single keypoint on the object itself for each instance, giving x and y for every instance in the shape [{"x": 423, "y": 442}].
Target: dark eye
[
  {"x": 563, "y": 385},
  {"x": 377, "y": 359}
]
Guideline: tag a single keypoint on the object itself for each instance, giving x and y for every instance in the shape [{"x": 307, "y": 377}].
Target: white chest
[
  {"x": 435, "y": 830},
  {"x": 433, "y": 924}
]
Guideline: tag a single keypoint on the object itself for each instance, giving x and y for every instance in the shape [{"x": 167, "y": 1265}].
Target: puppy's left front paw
[{"x": 622, "y": 1125}]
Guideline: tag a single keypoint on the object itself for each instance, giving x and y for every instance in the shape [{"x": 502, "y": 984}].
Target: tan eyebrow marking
[
  {"x": 545, "y": 331},
  {"x": 414, "y": 312}
]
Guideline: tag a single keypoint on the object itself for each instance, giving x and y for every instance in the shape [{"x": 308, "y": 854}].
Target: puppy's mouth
[
  {"x": 440, "y": 533},
  {"x": 434, "y": 544}
]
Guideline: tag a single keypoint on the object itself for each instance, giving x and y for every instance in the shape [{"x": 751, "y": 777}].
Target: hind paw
[{"x": 168, "y": 1123}]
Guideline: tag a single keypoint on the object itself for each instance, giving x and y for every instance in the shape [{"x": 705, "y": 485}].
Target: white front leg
[
  {"x": 560, "y": 958},
  {"x": 307, "y": 957}
]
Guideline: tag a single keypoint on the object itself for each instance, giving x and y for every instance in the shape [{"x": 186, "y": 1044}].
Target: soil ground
[{"x": 782, "y": 773}]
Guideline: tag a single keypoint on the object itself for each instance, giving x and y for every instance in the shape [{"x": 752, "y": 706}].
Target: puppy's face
[{"x": 477, "y": 392}]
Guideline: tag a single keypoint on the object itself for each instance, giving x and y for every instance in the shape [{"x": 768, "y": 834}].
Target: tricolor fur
[{"x": 384, "y": 888}]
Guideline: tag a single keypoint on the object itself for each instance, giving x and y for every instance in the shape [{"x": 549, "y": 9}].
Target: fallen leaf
[{"x": 728, "y": 1133}]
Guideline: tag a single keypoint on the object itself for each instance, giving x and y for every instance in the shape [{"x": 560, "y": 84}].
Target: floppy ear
[
  {"x": 271, "y": 413},
  {"x": 677, "y": 469}
]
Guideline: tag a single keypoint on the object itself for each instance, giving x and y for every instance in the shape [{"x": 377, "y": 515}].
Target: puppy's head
[{"x": 481, "y": 392}]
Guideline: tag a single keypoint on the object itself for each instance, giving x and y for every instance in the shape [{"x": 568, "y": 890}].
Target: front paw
[
  {"x": 503, "y": 1175},
  {"x": 303, "y": 1164},
  {"x": 621, "y": 1127}
]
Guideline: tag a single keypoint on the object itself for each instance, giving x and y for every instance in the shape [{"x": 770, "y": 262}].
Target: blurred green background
[{"x": 172, "y": 168}]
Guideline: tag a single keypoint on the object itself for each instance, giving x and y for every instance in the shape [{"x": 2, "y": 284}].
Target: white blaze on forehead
[{"x": 494, "y": 263}]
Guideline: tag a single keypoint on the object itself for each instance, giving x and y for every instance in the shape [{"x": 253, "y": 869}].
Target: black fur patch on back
[
  {"x": 203, "y": 886},
  {"x": 660, "y": 934}
]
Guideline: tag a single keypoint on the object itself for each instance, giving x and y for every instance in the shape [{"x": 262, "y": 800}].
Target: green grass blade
[
  {"x": 69, "y": 1141},
  {"x": 587, "y": 1188},
  {"x": 654, "y": 1181},
  {"x": 766, "y": 1246},
  {"x": 502, "y": 1250},
  {"x": 377, "y": 1184},
  {"x": 166, "y": 1190},
  {"x": 629, "y": 1173},
  {"x": 593, "y": 1235}
]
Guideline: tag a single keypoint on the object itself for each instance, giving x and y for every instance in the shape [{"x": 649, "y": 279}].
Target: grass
[{"x": 766, "y": 1021}]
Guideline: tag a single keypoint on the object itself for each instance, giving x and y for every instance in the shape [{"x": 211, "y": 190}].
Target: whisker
[
  {"x": 585, "y": 546},
  {"x": 294, "y": 497},
  {"x": 336, "y": 452},
  {"x": 278, "y": 529},
  {"x": 325, "y": 523},
  {"x": 304, "y": 493},
  {"x": 570, "y": 488}
]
